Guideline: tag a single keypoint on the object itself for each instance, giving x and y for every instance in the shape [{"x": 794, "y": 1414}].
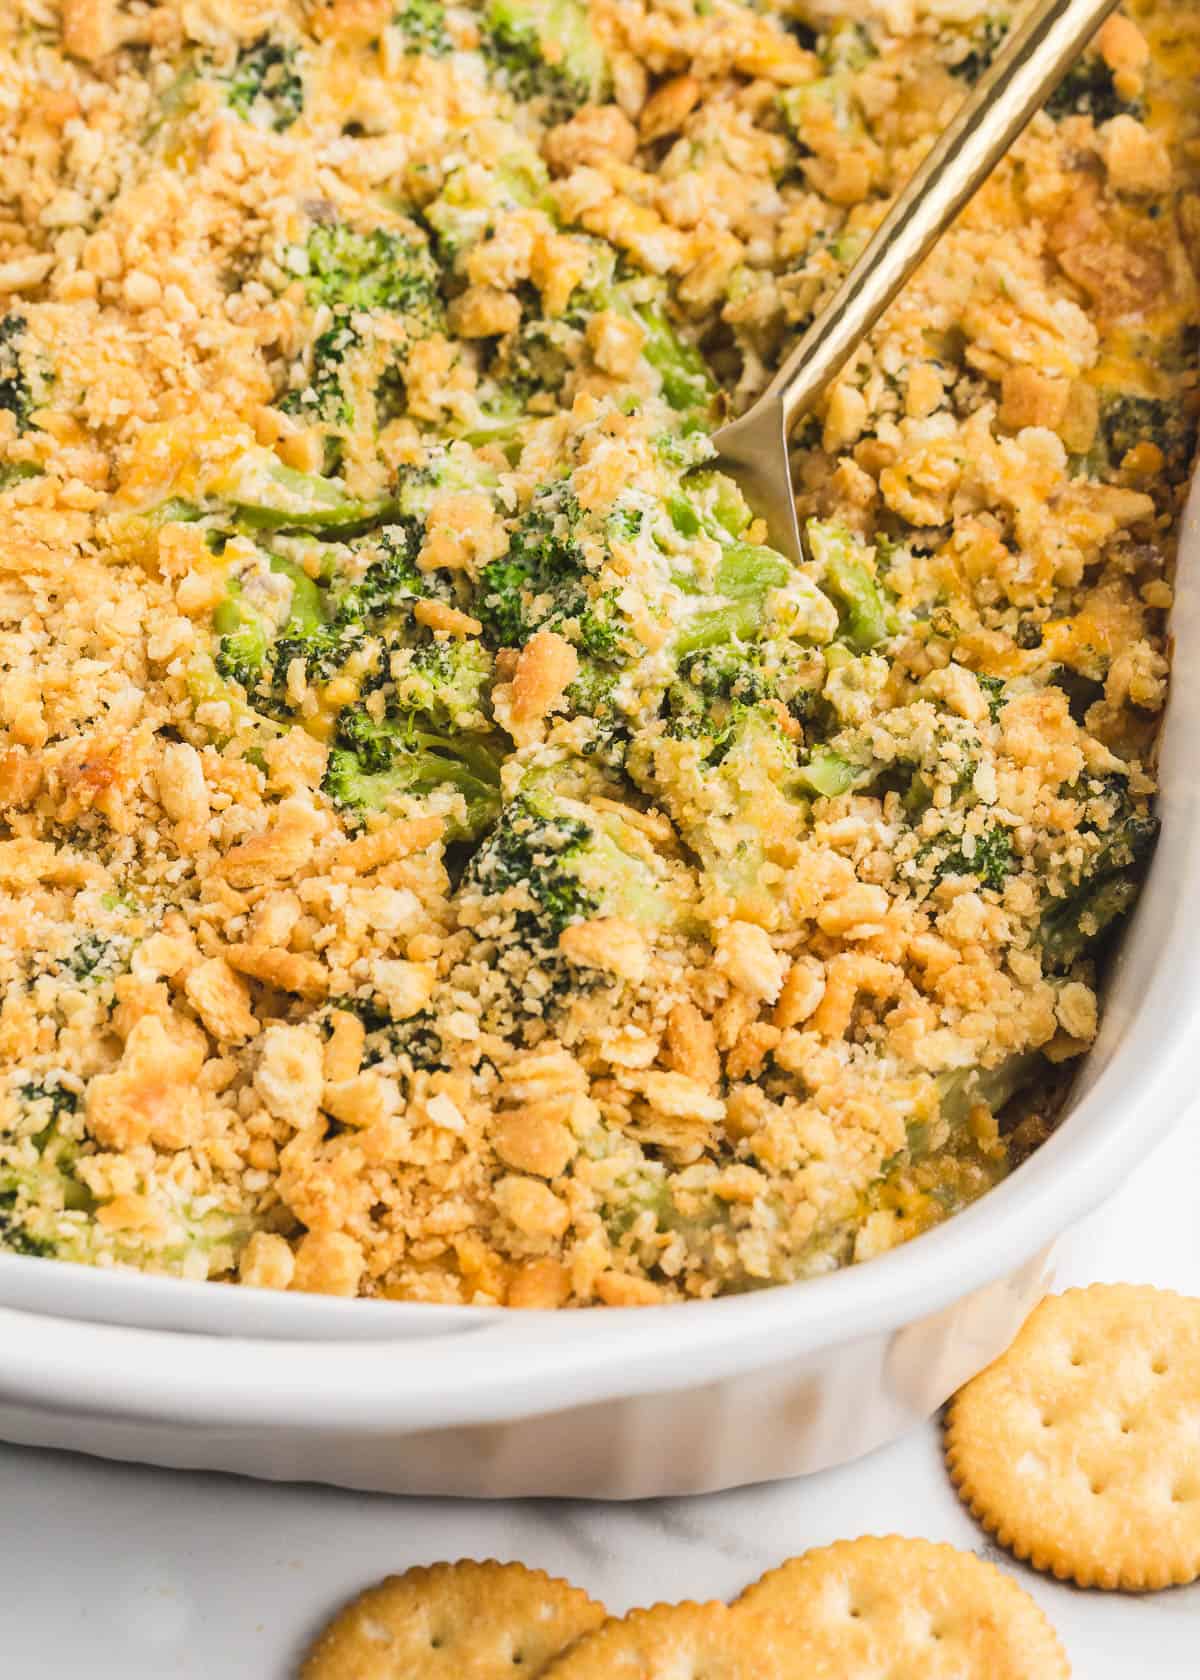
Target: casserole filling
[{"x": 445, "y": 853}]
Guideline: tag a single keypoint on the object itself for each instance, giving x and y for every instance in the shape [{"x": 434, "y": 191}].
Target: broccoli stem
[
  {"x": 275, "y": 497},
  {"x": 828, "y": 774},
  {"x": 1076, "y": 923},
  {"x": 683, "y": 373},
  {"x": 744, "y": 575},
  {"x": 866, "y": 617}
]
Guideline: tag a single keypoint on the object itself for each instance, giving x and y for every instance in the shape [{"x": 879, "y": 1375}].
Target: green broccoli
[
  {"x": 538, "y": 847},
  {"x": 424, "y": 728},
  {"x": 845, "y": 568},
  {"x": 1126, "y": 421},
  {"x": 15, "y": 394},
  {"x": 570, "y": 862},
  {"x": 94, "y": 957},
  {"x": 728, "y": 776},
  {"x": 326, "y": 395},
  {"x": 465, "y": 210},
  {"x": 249, "y": 649},
  {"x": 266, "y": 87},
  {"x": 542, "y": 579},
  {"x": 687, "y": 385},
  {"x": 828, "y": 774},
  {"x": 828, "y": 98},
  {"x": 1088, "y": 90},
  {"x": 1073, "y": 923},
  {"x": 381, "y": 269},
  {"x": 993, "y": 687},
  {"x": 546, "y": 52},
  {"x": 989, "y": 859},
  {"x": 413, "y": 763},
  {"x": 745, "y": 577},
  {"x": 446, "y": 682},
  {"x": 415, "y": 1039},
  {"x": 534, "y": 361},
  {"x": 981, "y": 47},
  {"x": 422, "y": 23},
  {"x": 352, "y": 378},
  {"x": 266, "y": 495},
  {"x": 593, "y": 696},
  {"x": 846, "y": 45}
]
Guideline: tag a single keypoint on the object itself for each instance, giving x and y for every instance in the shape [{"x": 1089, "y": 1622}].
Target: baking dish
[{"x": 626, "y": 1403}]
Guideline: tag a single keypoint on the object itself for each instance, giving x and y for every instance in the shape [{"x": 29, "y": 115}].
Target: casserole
[
  {"x": 405, "y": 1398},
  {"x": 218, "y": 1060}
]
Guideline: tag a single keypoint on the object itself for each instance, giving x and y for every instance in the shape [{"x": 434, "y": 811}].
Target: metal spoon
[{"x": 754, "y": 448}]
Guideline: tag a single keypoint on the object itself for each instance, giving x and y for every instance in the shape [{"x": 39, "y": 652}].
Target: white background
[{"x": 137, "y": 1574}]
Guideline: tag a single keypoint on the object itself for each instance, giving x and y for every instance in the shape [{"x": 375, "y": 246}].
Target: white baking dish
[{"x": 625, "y": 1404}]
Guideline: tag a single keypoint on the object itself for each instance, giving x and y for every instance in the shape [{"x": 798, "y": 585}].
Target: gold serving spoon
[{"x": 1039, "y": 51}]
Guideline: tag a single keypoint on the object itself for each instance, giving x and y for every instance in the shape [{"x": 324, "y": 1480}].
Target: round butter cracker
[
  {"x": 454, "y": 1621},
  {"x": 672, "y": 1641},
  {"x": 910, "y": 1609},
  {"x": 1079, "y": 1449}
]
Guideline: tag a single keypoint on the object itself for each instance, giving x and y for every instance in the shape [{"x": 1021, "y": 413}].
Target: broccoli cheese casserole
[{"x": 445, "y": 854}]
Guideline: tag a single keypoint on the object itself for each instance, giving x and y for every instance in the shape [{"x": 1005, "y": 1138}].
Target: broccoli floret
[
  {"x": 745, "y": 576},
  {"x": 541, "y": 578},
  {"x": 828, "y": 773},
  {"x": 251, "y": 653},
  {"x": 14, "y": 386},
  {"x": 49, "y": 1099},
  {"x": 993, "y": 687},
  {"x": 536, "y": 359},
  {"x": 829, "y": 97},
  {"x": 535, "y": 846},
  {"x": 326, "y": 396},
  {"x": 465, "y": 210},
  {"x": 573, "y": 861},
  {"x": 728, "y": 776},
  {"x": 592, "y": 695},
  {"x": 846, "y": 46},
  {"x": 265, "y": 494},
  {"x": 429, "y": 733},
  {"x": 734, "y": 672},
  {"x": 391, "y": 582},
  {"x": 241, "y": 652},
  {"x": 990, "y": 860},
  {"x": 352, "y": 379},
  {"x": 688, "y": 447},
  {"x": 981, "y": 49},
  {"x": 423, "y": 26},
  {"x": 381, "y": 269},
  {"x": 445, "y": 682},
  {"x": 545, "y": 51},
  {"x": 1126, "y": 421},
  {"x": 93, "y": 958},
  {"x": 533, "y": 363},
  {"x": 1088, "y": 90},
  {"x": 15, "y": 1236},
  {"x": 413, "y": 763},
  {"x": 1074, "y": 923},
  {"x": 266, "y": 86},
  {"x": 416, "y": 1038}
]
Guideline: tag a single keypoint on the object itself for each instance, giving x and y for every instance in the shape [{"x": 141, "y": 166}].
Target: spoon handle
[{"x": 1033, "y": 60}]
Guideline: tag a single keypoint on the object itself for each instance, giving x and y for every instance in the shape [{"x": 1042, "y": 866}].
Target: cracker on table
[
  {"x": 910, "y": 1609},
  {"x": 454, "y": 1621},
  {"x": 1079, "y": 1449},
  {"x": 669, "y": 1641}
]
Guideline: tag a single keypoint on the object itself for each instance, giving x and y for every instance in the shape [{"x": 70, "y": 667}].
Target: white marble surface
[{"x": 144, "y": 1574}]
